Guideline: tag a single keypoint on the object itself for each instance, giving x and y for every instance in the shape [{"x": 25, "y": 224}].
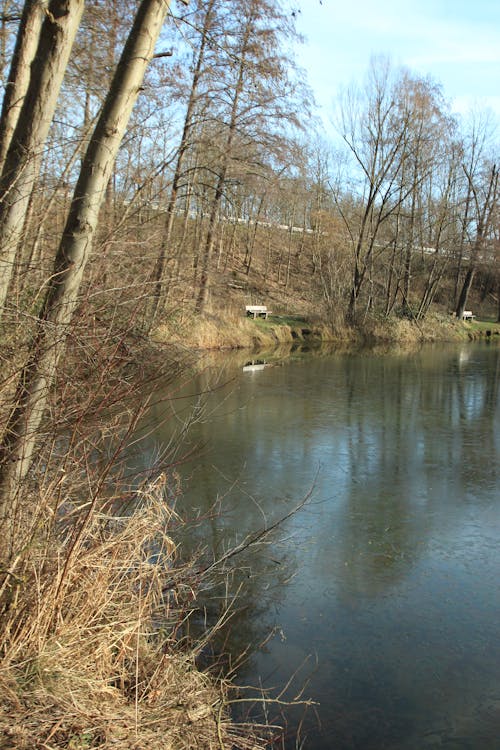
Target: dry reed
[{"x": 92, "y": 654}]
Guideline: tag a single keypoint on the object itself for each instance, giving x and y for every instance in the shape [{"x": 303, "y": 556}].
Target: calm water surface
[{"x": 382, "y": 594}]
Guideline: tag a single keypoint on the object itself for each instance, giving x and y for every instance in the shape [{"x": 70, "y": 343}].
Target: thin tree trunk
[
  {"x": 20, "y": 169},
  {"x": 19, "y": 76},
  {"x": 484, "y": 219},
  {"x": 410, "y": 244},
  {"x": 159, "y": 271},
  {"x": 203, "y": 292},
  {"x": 464, "y": 292},
  {"x": 353, "y": 297},
  {"x": 19, "y": 440},
  {"x": 289, "y": 248},
  {"x": 251, "y": 242}
]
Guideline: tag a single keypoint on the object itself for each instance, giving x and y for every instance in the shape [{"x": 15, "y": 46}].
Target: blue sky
[{"x": 457, "y": 42}]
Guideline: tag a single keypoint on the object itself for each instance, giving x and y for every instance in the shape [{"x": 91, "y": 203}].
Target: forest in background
[
  {"x": 223, "y": 181},
  {"x": 163, "y": 163}
]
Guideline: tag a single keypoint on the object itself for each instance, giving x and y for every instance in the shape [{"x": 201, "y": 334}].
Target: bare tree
[
  {"x": 396, "y": 130},
  {"x": 374, "y": 130},
  {"x": 62, "y": 294},
  {"x": 256, "y": 100},
  {"x": 17, "y": 84},
  {"x": 207, "y": 29},
  {"x": 423, "y": 109},
  {"x": 485, "y": 195},
  {"x": 22, "y": 160},
  {"x": 438, "y": 235}
]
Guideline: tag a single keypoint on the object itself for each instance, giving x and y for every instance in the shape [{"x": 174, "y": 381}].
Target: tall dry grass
[
  {"x": 231, "y": 329},
  {"x": 94, "y": 593},
  {"x": 393, "y": 329},
  {"x": 228, "y": 330},
  {"x": 92, "y": 650}
]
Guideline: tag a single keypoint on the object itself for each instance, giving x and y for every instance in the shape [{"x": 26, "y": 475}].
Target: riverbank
[
  {"x": 94, "y": 604},
  {"x": 95, "y": 650},
  {"x": 76, "y": 676},
  {"x": 232, "y": 331}
]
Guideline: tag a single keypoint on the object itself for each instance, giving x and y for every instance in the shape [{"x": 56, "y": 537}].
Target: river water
[{"x": 380, "y": 598}]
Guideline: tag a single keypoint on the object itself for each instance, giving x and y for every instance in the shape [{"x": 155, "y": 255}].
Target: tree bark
[
  {"x": 19, "y": 440},
  {"x": 464, "y": 292},
  {"x": 19, "y": 174},
  {"x": 19, "y": 76}
]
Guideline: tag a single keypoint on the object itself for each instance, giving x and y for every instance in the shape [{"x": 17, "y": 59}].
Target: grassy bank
[
  {"x": 233, "y": 331},
  {"x": 486, "y": 328},
  {"x": 95, "y": 593},
  {"x": 434, "y": 328},
  {"x": 93, "y": 647}
]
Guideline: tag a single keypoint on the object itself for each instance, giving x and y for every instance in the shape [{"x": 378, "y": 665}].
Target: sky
[{"x": 456, "y": 42}]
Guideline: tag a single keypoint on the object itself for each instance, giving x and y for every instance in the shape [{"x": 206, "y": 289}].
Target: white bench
[
  {"x": 257, "y": 310},
  {"x": 254, "y": 365},
  {"x": 467, "y": 315}
]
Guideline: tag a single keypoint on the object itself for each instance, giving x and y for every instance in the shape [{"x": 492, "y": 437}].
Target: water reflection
[{"x": 395, "y": 561}]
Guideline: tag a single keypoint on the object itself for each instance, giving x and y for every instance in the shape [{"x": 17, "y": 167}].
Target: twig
[{"x": 248, "y": 541}]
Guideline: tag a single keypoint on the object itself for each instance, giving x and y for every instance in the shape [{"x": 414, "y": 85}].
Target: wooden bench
[
  {"x": 467, "y": 315},
  {"x": 254, "y": 311}
]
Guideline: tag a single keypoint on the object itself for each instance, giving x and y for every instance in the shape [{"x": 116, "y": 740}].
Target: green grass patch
[
  {"x": 293, "y": 322},
  {"x": 290, "y": 320},
  {"x": 480, "y": 327}
]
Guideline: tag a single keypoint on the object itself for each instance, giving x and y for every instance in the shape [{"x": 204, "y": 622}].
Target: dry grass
[
  {"x": 92, "y": 654},
  {"x": 434, "y": 327},
  {"x": 228, "y": 331},
  {"x": 232, "y": 330},
  {"x": 95, "y": 596}
]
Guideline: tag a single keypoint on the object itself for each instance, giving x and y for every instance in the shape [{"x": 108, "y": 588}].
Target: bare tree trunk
[
  {"x": 251, "y": 241},
  {"x": 289, "y": 247},
  {"x": 431, "y": 285},
  {"x": 20, "y": 169},
  {"x": 484, "y": 215},
  {"x": 19, "y": 440},
  {"x": 19, "y": 76},
  {"x": 202, "y": 298},
  {"x": 203, "y": 292},
  {"x": 159, "y": 271},
  {"x": 410, "y": 243},
  {"x": 464, "y": 292},
  {"x": 357, "y": 281}
]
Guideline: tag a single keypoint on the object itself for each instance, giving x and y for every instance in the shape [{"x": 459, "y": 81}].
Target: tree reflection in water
[{"x": 395, "y": 561}]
